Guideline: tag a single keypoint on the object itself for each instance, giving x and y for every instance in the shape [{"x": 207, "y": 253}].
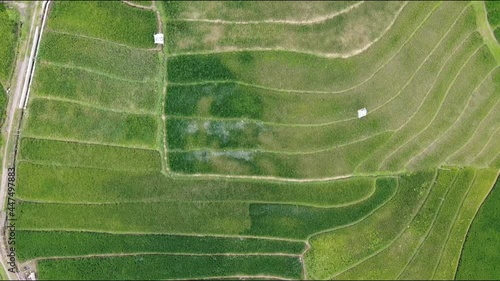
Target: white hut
[
  {"x": 362, "y": 112},
  {"x": 159, "y": 38}
]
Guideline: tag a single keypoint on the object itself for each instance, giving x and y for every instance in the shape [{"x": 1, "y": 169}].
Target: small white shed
[
  {"x": 362, "y": 112},
  {"x": 159, "y": 38}
]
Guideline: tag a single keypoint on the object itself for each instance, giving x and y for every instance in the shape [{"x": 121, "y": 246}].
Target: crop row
[{"x": 145, "y": 267}]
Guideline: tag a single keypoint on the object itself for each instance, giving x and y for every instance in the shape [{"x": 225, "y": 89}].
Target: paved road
[{"x": 23, "y": 74}]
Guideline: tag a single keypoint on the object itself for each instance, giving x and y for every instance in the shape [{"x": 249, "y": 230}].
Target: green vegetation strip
[
  {"x": 40, "y": 244},
  {"x": 88, "y": 87},
  {"x": 56, "y": 119},
  {"x": 248, "y": 11},
  {"x": 88, "y": 155},
  {"x": 171, "y": 217},
  {"x": 169, "y": 267},
  {"x": 113, "y": 21},
  {"x": 84, "y": 185}
]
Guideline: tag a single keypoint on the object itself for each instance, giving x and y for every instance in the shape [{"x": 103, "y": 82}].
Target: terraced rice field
[{"x": 235, "y": 150}]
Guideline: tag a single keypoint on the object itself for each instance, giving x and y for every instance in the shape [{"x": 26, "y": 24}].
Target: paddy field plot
[{"x": 235, "y": 150}]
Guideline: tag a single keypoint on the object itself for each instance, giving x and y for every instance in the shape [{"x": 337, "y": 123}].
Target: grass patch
[
  {"x": 179, "y": 267},
  {"x": 110, "y": 20},
  {"x": 493, "y": 13},
  {"x": 221, "y": 100}
]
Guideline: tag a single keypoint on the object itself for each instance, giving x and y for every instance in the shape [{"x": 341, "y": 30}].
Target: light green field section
[
  {"x": 93, "y": 89},
  {"x": 105, "y": 58},
  {"x": 45, "y": 183},
  {"x": 451, "y": 88},
  {"x": 340, "y": 35},
  {"x": 74, "y": 154},
  {"x": 113, "y": 21},
  {"x": 69, "y": 121},
  {"x": 254, "y": 10}
]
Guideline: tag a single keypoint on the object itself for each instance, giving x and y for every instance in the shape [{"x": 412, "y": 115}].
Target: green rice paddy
[{"x": 235, "y": 150}]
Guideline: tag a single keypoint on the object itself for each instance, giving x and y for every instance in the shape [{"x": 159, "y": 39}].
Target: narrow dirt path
[{"x": 151, "y": 8}]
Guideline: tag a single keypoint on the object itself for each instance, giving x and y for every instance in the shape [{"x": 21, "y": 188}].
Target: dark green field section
[
  {"x": 40, "y": 244},
  {"x": 114, "y": 21},
  {"x": 493, "y": 13},
  {"x": 480, "y": 258},
  {"x": 179, "y": 267}
]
